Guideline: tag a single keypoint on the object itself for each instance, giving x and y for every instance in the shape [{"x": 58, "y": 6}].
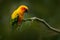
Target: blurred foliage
[{"x": 48, "y": 10}]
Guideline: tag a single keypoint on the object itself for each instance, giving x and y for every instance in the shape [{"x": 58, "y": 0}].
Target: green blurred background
[{"x": 48, "y": 10}]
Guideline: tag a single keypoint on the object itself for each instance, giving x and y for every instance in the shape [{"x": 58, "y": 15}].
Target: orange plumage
[{"x": 19, "y": 12}]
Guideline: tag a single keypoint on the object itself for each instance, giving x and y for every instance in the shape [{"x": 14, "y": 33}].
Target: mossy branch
[{"x": 44, "y": 22}]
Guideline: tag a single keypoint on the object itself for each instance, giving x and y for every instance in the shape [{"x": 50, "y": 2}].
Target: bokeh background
[{"x": 48, "y": 10}]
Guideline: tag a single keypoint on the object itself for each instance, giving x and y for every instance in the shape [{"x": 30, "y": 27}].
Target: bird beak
[{"x": 26, "y": 10}]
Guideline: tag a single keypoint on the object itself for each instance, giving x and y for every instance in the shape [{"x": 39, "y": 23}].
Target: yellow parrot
[{"x": 18, "y": 15}]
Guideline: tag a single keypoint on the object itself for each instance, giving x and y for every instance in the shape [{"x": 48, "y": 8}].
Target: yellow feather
[
  {"x": 14, "y": 15},
  {"x": 19, "y": 12}
]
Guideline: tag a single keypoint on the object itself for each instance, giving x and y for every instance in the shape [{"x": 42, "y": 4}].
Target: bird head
[{"x": 22, "y": 9}]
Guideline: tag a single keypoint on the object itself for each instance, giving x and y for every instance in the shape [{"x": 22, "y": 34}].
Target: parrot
[{"x": 18, "y": 15}]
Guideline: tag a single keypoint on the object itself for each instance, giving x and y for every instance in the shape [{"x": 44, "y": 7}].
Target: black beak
[{"x": 26, "y": 10}]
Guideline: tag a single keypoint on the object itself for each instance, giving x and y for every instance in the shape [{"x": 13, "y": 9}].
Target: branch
[{"x": 44, "y": 22}]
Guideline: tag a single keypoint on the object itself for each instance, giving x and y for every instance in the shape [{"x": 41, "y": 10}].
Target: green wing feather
[{"x": 14, "y": 23}]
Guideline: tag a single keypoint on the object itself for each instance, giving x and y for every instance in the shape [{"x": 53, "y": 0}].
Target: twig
[{"x": 43, "y": 21}]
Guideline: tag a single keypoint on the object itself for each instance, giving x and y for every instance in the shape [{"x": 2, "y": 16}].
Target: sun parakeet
[{"x": 17, "y": 16}]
